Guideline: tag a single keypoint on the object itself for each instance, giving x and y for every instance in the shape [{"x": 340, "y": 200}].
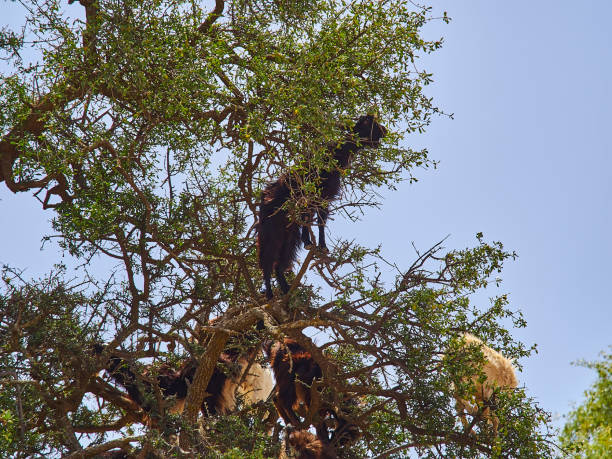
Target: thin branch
[{"x": 92, "y": 451}]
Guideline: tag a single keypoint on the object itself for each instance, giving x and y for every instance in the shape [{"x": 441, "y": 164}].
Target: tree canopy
[
  {"x": 148, "y": 129},
  {"x": 588, "y": 431}
]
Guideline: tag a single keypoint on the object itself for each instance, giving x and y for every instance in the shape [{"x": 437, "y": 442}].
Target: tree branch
[
  {"x": 212, "y": 16},
  {"x": 208, "y": 361},
  {"x": 92, "y": 451}
]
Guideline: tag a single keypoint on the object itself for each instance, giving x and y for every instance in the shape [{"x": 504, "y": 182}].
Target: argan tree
[
  {"x": 588, "y": 431},
  {"x": 147, "y": 130}
]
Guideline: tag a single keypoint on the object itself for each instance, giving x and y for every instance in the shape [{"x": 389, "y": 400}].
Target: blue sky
[{"x": 526, "y": 160}]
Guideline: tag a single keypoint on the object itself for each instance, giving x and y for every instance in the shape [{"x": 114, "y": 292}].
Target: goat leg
[
  {"x": 322, "y": 432},
  {"x": 282, "y": 282},
  {"x": 288, "y": 415},
  {"x": 461, "y": 406},
  {"x": 322, "y": 215},
  {"x": 306, "y": 237},
  {"x": 269, "y": 293},
  {"x": 307, "y": 218}
]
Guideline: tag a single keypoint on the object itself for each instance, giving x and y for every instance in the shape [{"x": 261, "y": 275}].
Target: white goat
[
  {"x": 256, "y": 385},
  {"x": 499, "y": 372}
]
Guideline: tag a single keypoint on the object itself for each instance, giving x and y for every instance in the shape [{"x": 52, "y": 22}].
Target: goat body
[
  {"x": 140, "y": 385},
  {"x": 254, "y": 385},
  {"x": 257, "y": 384},
  {"x": 295, "y": 371},
  {"x": 278, "y": 237},
  {"x": 499, "y": 372}
]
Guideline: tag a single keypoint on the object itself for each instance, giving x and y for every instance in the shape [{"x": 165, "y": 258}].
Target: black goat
[
  {"x": 278, "y": 237},
  {"x": 140, "y": 383},
  {"x": 295, "y": 372}
]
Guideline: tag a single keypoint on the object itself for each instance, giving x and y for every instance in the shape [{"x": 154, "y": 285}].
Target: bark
[{"x": 208, "y": 361}]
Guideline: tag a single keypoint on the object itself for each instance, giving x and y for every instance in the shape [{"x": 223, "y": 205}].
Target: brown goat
[
  {"x": 278, "y": 237},
  {"x": 295, "y": 372},
  {"x": 308, "y": 446}
]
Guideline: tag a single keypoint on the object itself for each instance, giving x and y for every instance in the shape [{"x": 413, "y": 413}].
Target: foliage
[
  {"x": 588, "y": 431},
  {"x": 149, "y": 128}
]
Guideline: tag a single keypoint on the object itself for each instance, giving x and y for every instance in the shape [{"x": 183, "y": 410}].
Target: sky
[{"x": 526, "y": 160}]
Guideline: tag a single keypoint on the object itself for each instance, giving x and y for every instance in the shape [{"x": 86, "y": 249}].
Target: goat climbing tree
[{"x": 147, "y": 129}]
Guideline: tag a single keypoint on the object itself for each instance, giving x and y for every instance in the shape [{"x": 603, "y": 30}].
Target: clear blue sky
[{"x": 527, "y": 161}]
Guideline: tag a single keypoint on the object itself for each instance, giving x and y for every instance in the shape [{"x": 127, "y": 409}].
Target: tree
[
  {"x": 149, "y": 128},
  {"x": 588, "y": 431}
]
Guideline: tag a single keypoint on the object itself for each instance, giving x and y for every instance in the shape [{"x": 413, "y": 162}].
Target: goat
[
  {"x": 499, "y": 373},
  {"x": 250, "y": 380},
  {"x": 308, "y": 446},
  {"x": 257, "y": 384},
  {"x": 295, "y": 372},
  {"x": 278, "y": 237}
]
